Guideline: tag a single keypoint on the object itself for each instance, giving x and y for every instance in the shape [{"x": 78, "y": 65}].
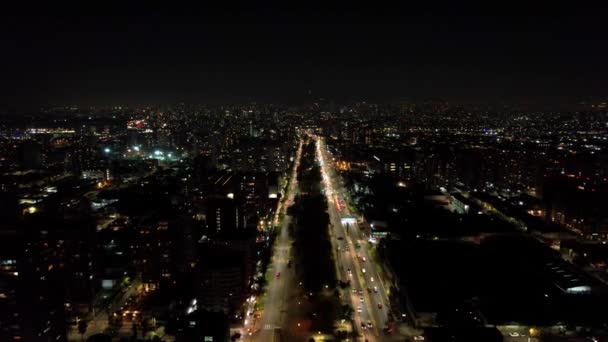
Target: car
[
  {"x": 340, "y": 238},
  {"x": 369, "y": 290},
  {"x": 372, "y": 279},
  {"x": 369, "y": 324},
  {"x": 375, "y": 289},
  {"x": 379, "y": 305},
  {"x": 354, "y": 291},
  {"x": 361, "y": 299},
  {"x": 359, "y": 309},
  {"x": 363, "y": 270},
  {"x": 419, "y": 338},
  {"x": 514, "y": 334},
  {"x": 363, "y": 259},
  {"x": 360, "y": 292},
  {"x": 363, "y": 326},
  {"x": 278, "y": 274},
  {"x": 349, "y": 271}
]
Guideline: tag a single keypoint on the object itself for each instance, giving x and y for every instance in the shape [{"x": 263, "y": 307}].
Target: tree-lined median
[{"x": 312, "y": 246}]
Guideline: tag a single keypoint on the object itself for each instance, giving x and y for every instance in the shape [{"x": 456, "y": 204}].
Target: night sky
[{"x": 155, "y": 55}]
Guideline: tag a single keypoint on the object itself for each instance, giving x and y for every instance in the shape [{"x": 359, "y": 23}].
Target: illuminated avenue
[{"x": 303, "y": 173}]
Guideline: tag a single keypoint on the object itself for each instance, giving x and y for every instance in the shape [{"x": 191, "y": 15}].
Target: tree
[
  {"x": 82, "y": 328},
  {"x": 114, "y": 324},
  {"x": 146, "y": 326},
  {"x": 326, "y": 314},
  {"x": 344, "y": 284},
  {"x": 134, "y": 331},
  {"x": 99, "y": 338},
  {"x": 346, "y": 311}
]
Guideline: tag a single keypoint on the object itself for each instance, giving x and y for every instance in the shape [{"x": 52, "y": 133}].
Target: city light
[{"x": 235, "y": 199}]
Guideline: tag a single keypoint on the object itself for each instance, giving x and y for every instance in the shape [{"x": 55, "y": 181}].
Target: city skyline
[{"x": 283, "y": 174}]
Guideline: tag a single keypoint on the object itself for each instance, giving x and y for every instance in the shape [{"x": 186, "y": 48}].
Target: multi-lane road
[
  {"x": 274, "y": 317},
  {"x": 368, "y": 296}
]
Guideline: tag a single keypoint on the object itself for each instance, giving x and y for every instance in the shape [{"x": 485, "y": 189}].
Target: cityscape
[{"x": 286, "y": 175}]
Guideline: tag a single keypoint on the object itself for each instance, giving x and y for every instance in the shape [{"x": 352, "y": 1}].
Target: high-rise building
[
  {"x": 226, "y": 256},
  {"x": 46, "y": 274},
  {"x": 13, "y": 324},
  {"x": 225, "y": 216},
  {"x": 222, "y": 282},
  {"x": 30, "y": 155}
]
